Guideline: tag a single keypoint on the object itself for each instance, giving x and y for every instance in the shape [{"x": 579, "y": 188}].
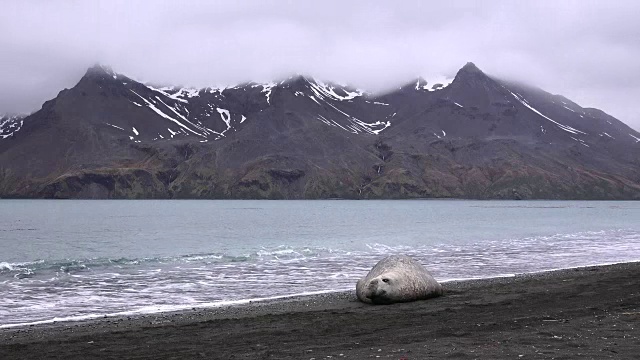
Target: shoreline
[
  {"x": 596, "y": 307},
  {"x": 140, "y": 313}
]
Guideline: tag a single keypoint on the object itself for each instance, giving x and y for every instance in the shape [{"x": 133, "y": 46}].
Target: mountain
[{"x": 473, "y": 136}]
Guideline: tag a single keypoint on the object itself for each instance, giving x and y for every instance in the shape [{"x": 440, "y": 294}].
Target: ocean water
[{"x": 73, "y": 260}]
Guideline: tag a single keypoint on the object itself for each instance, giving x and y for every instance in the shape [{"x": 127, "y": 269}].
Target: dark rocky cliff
[{"x": 477, "y": 137}]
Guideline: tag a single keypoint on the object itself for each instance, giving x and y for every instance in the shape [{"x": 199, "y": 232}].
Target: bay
[{"x": 71, "y": 260}]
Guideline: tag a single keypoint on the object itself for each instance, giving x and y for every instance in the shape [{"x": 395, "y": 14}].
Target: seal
[{"x": 397, "y": 278}]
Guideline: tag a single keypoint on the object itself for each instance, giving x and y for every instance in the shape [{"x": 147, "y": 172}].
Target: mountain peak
[
  {"x": 100, "y": 76},
  {"x": 470, "y": 67},
  {"x": 470, "y": 73},
  {"x": 100, "y": 70},
  {"x": 297, "y": 78},
  {"x": 300, "y": 138}
]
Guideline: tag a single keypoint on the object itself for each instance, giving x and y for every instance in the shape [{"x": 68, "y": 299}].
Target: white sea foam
[
  {"x": 164, "y": 308},
  {"x": 168, "y": 308},
  {"x": 235, "y": 270}
]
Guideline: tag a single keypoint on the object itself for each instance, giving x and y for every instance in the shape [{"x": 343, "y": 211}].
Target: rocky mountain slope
[{"x": 473, "y": 136}]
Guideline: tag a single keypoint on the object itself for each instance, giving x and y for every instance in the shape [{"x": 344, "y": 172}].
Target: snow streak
[{"x": 561, "y": 126}]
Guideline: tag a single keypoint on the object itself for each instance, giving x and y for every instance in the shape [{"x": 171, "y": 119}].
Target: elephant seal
[{"x": 397, "y": 278}]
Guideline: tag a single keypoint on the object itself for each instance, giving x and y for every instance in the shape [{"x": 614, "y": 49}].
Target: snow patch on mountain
[
  {"x": 175, "y": 111},
  {"x": 115, "y": 126},
  {"x": 214, "y": 90},
  {"x": 333, "y": 92},
  {"x": 314, "y": 99},
  {"x": 434, "y": 84},
  {"x": 173, "y": 133},
  {"x": 10, "y": 124},
  {"x": 159, "y": 112},
  {"x": 188, "y": 92},
  {"x": 580, "y": 141},
  {"x": 266, "y": 88},
  {"x": 164, "y": 91},
  {"x": 375, "y": 127},
  {"x": 226, "y": 117},
  {"x": 440, "y": 137},
  {"x": 361, "y": 126},
  {"x": 561, "y": 126}
]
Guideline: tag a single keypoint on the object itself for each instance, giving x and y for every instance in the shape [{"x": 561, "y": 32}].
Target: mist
[{"x": 585, "y": 50}]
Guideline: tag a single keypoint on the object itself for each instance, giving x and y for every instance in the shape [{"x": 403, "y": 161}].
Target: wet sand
[{"x": 586, "y": 313}]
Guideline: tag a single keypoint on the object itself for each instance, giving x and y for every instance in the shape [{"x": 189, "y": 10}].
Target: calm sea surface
[{"x": 72, "y": 260}]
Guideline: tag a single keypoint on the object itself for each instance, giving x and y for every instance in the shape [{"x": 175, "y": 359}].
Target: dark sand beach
[{"x": 586, "y": 313}]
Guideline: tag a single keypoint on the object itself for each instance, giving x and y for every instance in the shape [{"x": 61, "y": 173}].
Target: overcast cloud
[{"x": 586, "y": 50}]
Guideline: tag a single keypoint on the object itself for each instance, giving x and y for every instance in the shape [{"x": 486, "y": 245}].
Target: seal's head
[{"x": 383, "y": 289}]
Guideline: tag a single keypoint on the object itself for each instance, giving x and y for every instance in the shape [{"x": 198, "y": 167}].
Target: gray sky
[{"x": 586, "y": 50}]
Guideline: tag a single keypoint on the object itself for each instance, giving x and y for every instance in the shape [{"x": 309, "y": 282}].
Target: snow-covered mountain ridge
[
  {"x": 299, "y": 137},
  {"x": 210, "y": 114}
]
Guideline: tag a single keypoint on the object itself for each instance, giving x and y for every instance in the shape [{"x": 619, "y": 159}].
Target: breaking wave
[{"x": 82, "y": 288}]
